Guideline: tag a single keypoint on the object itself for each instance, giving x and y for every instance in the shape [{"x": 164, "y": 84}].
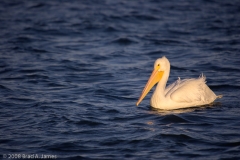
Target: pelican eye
[{"x": 158, "y": 67}]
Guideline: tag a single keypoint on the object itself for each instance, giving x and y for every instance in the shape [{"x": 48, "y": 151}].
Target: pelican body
[{"x": 180, "y": 94}]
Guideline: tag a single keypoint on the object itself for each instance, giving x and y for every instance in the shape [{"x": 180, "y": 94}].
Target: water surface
[{"x": 71, "y": 73}]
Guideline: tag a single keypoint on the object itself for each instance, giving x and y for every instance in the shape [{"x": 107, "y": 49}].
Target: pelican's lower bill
[{"x": 180, "y": 94}]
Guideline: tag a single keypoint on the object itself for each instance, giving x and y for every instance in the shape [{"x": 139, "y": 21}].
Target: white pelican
[{"x": 181, "y": 94}]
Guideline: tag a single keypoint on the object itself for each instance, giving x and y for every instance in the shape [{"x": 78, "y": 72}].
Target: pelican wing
[
  {"x": 172, "y": 87},
  {"x": 191, "y": 90}
]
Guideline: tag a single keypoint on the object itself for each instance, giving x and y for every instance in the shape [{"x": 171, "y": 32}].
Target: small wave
[
  {"x": 159, "y": 52},
  {"x": 123, "y": 41},
  {"x": 38, "y": 5},
  {"x": 146, "y": 17},
  {"x": 21, "y": 99},
  {"x": 111, "y": 142},
  {"x": 174, "y": 119},
  {"x": 37, "y": 50},
  {"x": 226, "y": 86},
  {"x": 111, "y": 29},
  {"x": 166, "y": 41},
  {"x": 230, "y": 144},
  {"x": 224, "y": 69},
  {"x": 23, "y": 39},
  {"x": 112, "y": 111},
  {"x": 2, "y": 87},
  {"x": 181, "y": 137},
  {"x": 5, "y": 70},
  {"x": 31, "y": 70},
  {"x": 90, "y": 123},
  {"x": 61, "y": 146},
  {"x": 177, "y": 68}
]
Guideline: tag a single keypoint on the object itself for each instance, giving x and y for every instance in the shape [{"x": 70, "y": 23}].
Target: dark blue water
[{"x": 72, "y": 71}]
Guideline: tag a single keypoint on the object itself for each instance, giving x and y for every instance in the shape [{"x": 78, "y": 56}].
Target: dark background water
[{"x": 72, "y": 71}]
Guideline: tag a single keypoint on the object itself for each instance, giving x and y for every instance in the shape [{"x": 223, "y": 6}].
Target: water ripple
[{"x": 71, "y": 73}]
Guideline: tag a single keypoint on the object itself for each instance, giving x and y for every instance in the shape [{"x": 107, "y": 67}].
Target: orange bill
[{"x": 154, "y": 78}]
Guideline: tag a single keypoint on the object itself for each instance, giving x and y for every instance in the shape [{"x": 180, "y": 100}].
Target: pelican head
[{"x": 161, "y": 65}]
